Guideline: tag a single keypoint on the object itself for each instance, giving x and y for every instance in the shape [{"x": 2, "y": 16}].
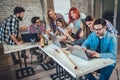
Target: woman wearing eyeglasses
[{"x": 89, "y": 20}]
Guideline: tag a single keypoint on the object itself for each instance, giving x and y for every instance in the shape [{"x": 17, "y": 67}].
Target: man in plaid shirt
[
  {"x": 10, "y": 29},
  {"x": 37, "y": 27}
]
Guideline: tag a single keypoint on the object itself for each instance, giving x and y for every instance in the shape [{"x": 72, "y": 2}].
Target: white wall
[{"x": 62, "y": 6}]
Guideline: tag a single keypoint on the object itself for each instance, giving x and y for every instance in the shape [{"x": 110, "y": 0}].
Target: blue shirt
[{"x": 108, "y": 45}]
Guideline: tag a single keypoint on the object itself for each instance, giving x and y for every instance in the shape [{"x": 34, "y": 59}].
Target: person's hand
[
  {"x": 91, "y": 53},
  {"x": 19, "y": 42},
  {"x": 66, "y": 34},
  {"x": 48, "y": 31},
  {"x": 84, "y": 49},
  {"x": 23, "y": 28},
  {"x": 95, "y": 54}
]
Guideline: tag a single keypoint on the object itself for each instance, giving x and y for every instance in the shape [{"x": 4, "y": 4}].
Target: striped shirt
[{"x": 9, "y": 27}]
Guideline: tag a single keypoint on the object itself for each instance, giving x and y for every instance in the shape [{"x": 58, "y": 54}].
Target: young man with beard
[
  {"x": 10, "y": 30},
  {"x": 39, "y": 28},
  {"x": 101, "y": 44}
]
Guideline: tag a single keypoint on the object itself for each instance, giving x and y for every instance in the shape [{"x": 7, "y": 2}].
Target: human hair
[
  {"x": 76, "y": 11},
  {"x": 33, "y": 20},
  {"x": 48, "y": 16},
  {"x": 18, "y": 10},
  {"x": 89, "y": 18},
  {"x": 100, "y": 21},
  {"x": 63, "y": 22}
]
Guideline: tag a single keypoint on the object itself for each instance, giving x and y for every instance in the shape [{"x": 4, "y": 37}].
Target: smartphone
[{"x": 61, "y": 29}]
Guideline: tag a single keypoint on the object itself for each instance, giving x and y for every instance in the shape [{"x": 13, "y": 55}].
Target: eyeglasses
[
  {"x": 98, "y": 29},
  {"x": 38, "y": 22}
]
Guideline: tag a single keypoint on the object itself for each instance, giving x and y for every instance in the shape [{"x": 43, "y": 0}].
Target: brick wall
[
  {"x": 32, "y": 7},
  {"x": 84, "y": 6}
]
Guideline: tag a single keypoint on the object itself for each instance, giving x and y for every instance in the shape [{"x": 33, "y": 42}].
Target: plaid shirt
[
  {"x": 9, "y": 27},
  {"x": 39, "y": 30},
  {"x": 111, "y": 28},
  {"x": 53, "y": 22}
]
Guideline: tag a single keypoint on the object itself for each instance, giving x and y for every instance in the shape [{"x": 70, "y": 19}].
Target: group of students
[{"x": 98, "y": 37}]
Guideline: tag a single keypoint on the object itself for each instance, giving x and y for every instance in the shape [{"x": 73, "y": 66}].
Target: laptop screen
[
  {"x": 26, "y": 37},
  {"x": 77, "y": 51},
  {"x": 55, "y": 40}
]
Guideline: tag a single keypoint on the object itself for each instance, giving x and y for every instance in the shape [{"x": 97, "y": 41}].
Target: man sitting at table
[
  {"x": 101, "y": 44},
  {"x": 37, "y": 27}
]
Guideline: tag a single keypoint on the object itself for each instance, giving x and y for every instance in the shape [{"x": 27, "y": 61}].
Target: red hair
[{"x": 76, "y": 11}]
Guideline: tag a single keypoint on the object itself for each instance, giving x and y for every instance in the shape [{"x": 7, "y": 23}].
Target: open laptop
[
  {"x": 56, "y": 41},
  {"x": 77, "y": 51},
  {"x": 26, "y": 37}
]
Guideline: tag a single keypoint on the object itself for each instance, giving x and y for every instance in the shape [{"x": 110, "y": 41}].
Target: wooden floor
[{"x": 7, "y": 69}]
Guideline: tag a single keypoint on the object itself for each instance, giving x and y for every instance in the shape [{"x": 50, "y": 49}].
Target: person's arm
[
  {"x": 13, "y": 31},
  {"x": 82, "y": 31},
  {"x": 57, "y": 32},
  {"x": 69, "y": 30},
  {"x": 13, "y": 37},
  {"x": 86, "y": 43},
  {"x": 112, "y": 49}
]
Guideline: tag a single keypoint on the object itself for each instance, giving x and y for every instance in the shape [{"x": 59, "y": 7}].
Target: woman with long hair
[
  {"x": 63, "y": 30},
  {"x": 76, "y": 18},
  {"x": 52, "y": 17}
]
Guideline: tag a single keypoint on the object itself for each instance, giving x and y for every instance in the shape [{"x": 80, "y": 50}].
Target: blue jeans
[{"x": 105, "y": 73}]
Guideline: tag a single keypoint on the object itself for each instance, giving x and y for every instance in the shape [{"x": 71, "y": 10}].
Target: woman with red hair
[{"x": 76, "y": 18}]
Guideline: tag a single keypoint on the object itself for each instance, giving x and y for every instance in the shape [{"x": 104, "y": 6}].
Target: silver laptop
[
  {"x": 56, "y": 41},
  {"x": 77, "y": 51}
]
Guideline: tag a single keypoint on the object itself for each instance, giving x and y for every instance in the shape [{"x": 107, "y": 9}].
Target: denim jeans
[{"x": 105, "y": 73}]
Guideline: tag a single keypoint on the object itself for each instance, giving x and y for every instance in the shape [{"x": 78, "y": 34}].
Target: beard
[{"x": 20, "y": 18}]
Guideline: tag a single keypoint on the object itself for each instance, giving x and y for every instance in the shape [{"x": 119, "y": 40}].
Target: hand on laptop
[
  {"x": 91, "y": 53},
  {"x": 94, "y": 54}
]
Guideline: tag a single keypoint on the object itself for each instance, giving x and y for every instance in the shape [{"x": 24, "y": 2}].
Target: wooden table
[
  {"x": 23, "y": 71},
  {"x": 84, "y": 67},
  {"x": 53, "y": 51}
]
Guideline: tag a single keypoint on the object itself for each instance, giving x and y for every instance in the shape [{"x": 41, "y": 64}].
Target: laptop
[
  {"x": 56, "y": 41},
  {"x": 77, "y": 51},
  {"x": 26, "y": 37}
]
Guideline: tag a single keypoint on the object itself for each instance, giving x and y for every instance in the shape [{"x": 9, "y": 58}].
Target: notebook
[{"x": 26, "y": 37}]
